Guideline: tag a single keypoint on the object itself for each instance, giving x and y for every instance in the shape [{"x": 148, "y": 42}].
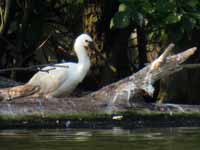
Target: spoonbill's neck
[{"x": 83, "y": 58}]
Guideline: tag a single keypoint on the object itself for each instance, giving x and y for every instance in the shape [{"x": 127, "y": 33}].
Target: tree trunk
[
  {"x": 142, "y": 43},
  {"x": 112, "y": 44},
  {"x": 94, "y": 24}
]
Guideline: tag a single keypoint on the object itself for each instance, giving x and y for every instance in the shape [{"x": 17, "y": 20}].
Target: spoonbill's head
[{"x": 84, "y": 40}]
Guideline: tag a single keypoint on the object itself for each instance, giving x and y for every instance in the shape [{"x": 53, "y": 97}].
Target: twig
[
  {"x": 8, "y": 42},
  {"x": 42, "y": 44},
  {"x": 36, "y": 67},
  {"x": 39, "y": 47},
  {"x": 190, "y": 66},
  {"x": 112, "y": 68}
]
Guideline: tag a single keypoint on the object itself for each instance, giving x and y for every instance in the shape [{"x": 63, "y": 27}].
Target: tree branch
[{"x": 35, "y": 67}]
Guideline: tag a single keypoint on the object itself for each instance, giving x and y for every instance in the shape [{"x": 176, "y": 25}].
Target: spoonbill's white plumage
[{"x": 58, "y": 80}]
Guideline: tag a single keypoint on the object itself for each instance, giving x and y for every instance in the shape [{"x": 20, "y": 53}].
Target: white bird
[{"x": 58, "y": 80}]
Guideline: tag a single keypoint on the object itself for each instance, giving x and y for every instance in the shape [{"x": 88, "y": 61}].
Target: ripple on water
[{"x": 92, "y": 139}]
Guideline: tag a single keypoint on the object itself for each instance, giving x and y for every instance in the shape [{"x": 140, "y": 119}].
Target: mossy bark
[{"x": 143, "y": 117}]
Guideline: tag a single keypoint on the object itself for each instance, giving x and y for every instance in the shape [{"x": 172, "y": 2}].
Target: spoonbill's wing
[{"x": 50, "y": 78}]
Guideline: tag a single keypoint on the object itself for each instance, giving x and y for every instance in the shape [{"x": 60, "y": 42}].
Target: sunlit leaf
[
  {"x": 113, "y": 68},
  {"x": 173, "y": 18},
  {"x": 122, "y": 7}
]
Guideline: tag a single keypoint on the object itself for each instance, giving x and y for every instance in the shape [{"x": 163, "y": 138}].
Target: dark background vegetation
[{"x": 128, "y": 34}]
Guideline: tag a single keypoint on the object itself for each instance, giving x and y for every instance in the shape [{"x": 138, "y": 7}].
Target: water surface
[{"x": 96, "y": 139}]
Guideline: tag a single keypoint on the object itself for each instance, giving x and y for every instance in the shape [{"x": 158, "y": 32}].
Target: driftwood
[{"x": 124, "y": 95}]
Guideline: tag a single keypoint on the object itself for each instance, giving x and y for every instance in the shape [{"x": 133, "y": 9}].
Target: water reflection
[{"x": 91, "y": 139}]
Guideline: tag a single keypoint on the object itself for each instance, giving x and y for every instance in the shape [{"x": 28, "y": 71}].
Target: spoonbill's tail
[{"x": 18, "y": 91}]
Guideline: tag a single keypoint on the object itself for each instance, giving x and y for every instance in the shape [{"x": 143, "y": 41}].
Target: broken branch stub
[
  {"x": 160, "y": 60},
  {"x": 165, "y": 66},
  {"x": 143, "y": 80}
]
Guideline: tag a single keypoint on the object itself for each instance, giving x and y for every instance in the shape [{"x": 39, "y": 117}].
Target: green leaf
[
  {"x": 188, "y": 23},
  {"x": 195, "y": 15},
  {"x": 137, "y": 18},
  {"x": 173, "y": 18},
  {"x": 120, "y": 20},
  {"x": 192, "y": 3},
  {"x": 148, "y": 8}
]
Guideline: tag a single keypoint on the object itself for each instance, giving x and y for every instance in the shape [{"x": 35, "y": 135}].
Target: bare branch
[
  {"x": 36, "y": 67},
  {"x": 167, "y": 51},
  {"x": 160, "y": 60}
]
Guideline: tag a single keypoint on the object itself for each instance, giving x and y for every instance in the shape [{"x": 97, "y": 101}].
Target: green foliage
[
  {"x": 173, "y": 17},
  {"x": 120, "y": 20}
]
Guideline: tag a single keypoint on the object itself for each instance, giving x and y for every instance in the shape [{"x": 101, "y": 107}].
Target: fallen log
[{"x": 122, "y": 96}]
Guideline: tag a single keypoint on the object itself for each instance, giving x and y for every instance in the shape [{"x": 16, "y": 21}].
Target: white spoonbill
[{"x": 58, "y": 80}]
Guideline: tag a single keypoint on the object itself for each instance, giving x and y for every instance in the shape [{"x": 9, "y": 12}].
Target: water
[{"x": 113, "y": 139}]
